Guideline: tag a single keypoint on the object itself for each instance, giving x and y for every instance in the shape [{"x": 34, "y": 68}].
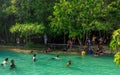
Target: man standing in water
[{"x": 34, "y": 57}]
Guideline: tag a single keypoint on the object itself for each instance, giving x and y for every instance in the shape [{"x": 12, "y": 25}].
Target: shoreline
[{"x": 20, "y": 49}]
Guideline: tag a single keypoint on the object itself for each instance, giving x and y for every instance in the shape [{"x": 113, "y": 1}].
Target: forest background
[{"x": 60, "y": 20}]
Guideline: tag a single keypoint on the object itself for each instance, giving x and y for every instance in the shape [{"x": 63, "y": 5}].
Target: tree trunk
[
  {"x": 64, "y": 39},
  {"x": 79, "y": 41},
  {"x": 6, "y": 33}
]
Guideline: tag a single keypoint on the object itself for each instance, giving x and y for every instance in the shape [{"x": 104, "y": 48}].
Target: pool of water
[{"x": 88, "y": 65}]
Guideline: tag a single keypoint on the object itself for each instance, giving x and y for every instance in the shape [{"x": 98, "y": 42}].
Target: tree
[
  {"x": 110, "y": 15},
  {"x": 117, "y": 58},
  {"x": 7, "y": 18},
  {"x": 77, "y": 17},
  {"x": 115, "y": 44},
  {"x": 27, "y": 29},
  {"x": 31, "y": 12}
]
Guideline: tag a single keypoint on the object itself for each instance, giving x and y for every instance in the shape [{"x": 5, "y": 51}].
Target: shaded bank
[{"x": 21, "y": 49}]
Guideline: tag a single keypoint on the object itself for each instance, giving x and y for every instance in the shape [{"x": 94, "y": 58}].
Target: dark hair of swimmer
[
  {"x": 57, "y": 55},
  {"x": 6, "y": 59},
  {"x": 34, "y": 55},
  {"x": 69, "y": 62},
  {"x": 12, "y": 65}
]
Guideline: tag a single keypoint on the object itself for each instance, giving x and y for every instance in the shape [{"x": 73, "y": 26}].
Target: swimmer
[
  {"x": 34, "y": 57},
  {"x": 96, "y": 54},
  {"x": 57, "y": 57},
  {"x": 83, "y": 53},
  {"x": 68, "y": 63},
  {"x": 12, "y": 65},
  {"x": 4, "y": 62}
]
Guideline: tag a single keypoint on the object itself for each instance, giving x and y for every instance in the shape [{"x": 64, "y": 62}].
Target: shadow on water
[
  {"x": 7, "y": 71},
  {"x": 4, "y": 53},
  {"x": 75, "y": 68}
]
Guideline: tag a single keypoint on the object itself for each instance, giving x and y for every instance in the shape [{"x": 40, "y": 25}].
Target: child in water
[
  {"x": 12, "y": 65},
  {"x": 83, "y": 53},
  {"x": 4, "y": 62},
  {"x": 68, "y": 63}
]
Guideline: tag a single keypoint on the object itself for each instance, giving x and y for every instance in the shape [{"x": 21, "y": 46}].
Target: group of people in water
[
  {"x": 5, "y": 62},
  {"x": 83, "y": 53},
  {"x": 56, "y": 58},
  {"x": 68, "y": 63}
]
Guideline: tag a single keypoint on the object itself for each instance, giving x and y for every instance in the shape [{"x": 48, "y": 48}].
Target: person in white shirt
[
  {"x": 57, "y": 57},
  {"x": 34, "y": 57},
  {"x": 4, "y": 62}
]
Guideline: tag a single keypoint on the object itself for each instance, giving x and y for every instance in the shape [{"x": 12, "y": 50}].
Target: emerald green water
[{"x": 88, "y": 65}]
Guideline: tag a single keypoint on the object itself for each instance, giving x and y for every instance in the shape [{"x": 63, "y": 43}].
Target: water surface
[{"x": 88, "y": 65}]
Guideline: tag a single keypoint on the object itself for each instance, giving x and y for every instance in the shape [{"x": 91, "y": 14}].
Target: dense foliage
[
  {"x": 117, "y": 58},
  {"x": 115, "y": 44},
  {"x": 77, "y": 17},
  {"x": 27, "y": 29},
  {"x": 24, "y": 12},
  {"x": 80, "y": 17},
  {"x": 69, "y": 17}
]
